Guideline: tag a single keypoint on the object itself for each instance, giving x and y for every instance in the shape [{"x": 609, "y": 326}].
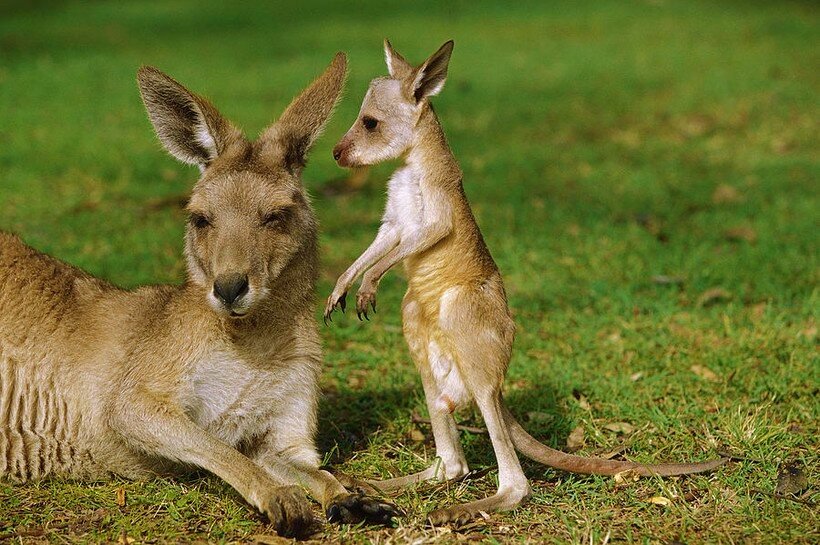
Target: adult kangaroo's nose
[
  {"x": 337, "y": 151},
  {"x": 229, "y": 287}
]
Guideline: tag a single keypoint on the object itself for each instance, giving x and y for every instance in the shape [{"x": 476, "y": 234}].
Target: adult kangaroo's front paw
[
  {"x": 355, "y": 508},
  {"x": 288, "y": 511}
]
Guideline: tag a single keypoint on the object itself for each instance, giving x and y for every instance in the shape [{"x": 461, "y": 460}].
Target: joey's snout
[
  {"x": 341, "y": 153},
  {"x": 230, "y": 289}
]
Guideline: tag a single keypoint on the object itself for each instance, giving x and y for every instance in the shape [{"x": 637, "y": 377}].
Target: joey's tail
[{"x": 531, "y": 448}]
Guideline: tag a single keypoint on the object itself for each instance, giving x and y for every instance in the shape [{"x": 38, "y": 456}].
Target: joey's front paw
[
  {"x": 366, "y": 297},
  {"x": 355, "y": 508},
  {"x": 337, "y": 299},
  {"x": 288, "y": 511}
]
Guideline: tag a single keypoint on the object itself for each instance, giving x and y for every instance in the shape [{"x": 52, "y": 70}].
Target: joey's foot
[
  {"x": 355, "y": 508},
  {"x": 457, "y": 515},
  {"x": 288, "y": 511},
  {"x": 333, "y": 302},
  {"x": 365, "y": 298}
]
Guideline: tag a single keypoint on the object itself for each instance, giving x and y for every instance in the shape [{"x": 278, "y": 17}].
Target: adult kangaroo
[{"x": 220, "y": 372}]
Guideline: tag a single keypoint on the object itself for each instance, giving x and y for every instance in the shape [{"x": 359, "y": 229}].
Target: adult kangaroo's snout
[{"x": 230, "y": 287}]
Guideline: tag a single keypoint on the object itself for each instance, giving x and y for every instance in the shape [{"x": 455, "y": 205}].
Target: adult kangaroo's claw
[{"x": 355, "y": 508}]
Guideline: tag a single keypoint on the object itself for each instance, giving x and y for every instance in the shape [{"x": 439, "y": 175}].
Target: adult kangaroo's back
[{"x": 220, "y": 372}]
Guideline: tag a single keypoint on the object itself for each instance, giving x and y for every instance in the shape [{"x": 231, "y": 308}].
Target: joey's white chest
[{"x": 405, "y": 200}]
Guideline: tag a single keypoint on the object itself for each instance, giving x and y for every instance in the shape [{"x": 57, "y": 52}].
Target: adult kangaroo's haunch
[
  {"x": 220, "y": 372},
  {"x": 455, "y": 315}
]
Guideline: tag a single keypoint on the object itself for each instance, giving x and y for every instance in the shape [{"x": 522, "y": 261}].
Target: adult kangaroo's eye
[
  {"x": 199, "y": 221},
  {"x": 272, "y": 219},
  {"x": 369, "y": 123}
]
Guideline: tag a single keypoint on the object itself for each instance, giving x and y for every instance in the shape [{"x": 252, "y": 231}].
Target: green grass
[{"x": 603, "y": 144}]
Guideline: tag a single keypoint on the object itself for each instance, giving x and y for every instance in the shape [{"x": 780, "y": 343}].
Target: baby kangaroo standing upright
[{"x": 455, "y": 316}]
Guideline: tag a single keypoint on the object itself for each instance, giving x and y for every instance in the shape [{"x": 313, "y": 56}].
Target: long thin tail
[{"x": 531, "y": 448}]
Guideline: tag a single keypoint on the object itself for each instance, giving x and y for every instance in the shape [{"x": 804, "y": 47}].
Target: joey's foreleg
[
  {"x": 423, "y": 239},
  {"x": 386, "y": 239},
  {"x": 161, "y": 428}
]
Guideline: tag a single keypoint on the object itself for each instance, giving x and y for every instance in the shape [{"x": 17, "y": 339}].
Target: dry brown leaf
[
  {"x": 741, "y": 233},
  {"x": 712, "y": 296},
  {"x": 635, "y": 377},
  {"x": 264, "y": 539},
  {"x": 791, "y": 479},
  {"x": 705, "y": 373},
  {"x": 416, "y": 435},
  {"x": 666, "y": 280},
  {"x": 625, "y": 477},
  {"x": 576, "y": 439},
  {"x": 660, "y": 500},
  {"x": 620, "y": 427},
  {"x": 539, "y": 418},
  {"x": 583, "y": 403},
  {"x": 121, "y": 496},
  {"x": 726, "y": 194}
]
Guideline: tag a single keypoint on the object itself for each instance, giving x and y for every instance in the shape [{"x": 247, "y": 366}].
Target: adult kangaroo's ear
[
  {"x": 189, "y": 127},
  {"x": 429, "y": 78},
  {"x": 292, "y": 136}
]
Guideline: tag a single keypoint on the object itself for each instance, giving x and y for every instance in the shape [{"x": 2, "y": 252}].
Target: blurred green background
[{"x": 645, "y": 174}]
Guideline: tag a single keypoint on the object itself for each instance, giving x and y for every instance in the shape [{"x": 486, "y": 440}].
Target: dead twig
[
  {"x": 783, "y": 497},
  {"x": 417, "y": 419}
]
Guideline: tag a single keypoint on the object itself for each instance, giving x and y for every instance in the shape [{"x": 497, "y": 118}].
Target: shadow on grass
[{"x": 348, "y": 419}]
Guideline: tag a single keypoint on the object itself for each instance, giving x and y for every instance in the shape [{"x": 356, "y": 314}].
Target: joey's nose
[
  {"x": 229, "y": 287},
  {"x": 337, "y": 152}
]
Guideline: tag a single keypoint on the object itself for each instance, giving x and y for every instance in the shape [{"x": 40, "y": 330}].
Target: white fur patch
[
  {"x": 206, "y": 139},
  {"x": 218, "y": 381},
  {"x": 454, "y": 393}
]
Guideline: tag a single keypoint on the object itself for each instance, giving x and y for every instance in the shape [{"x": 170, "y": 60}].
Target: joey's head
[
  {"x": 392, "y": 108},
  {"x": 249, "y": 217}
]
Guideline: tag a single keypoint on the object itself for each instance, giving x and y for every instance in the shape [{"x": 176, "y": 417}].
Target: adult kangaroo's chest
[{"x": 230, "y": 396}]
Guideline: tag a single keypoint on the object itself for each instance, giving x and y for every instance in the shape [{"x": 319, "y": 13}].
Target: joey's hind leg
[
  {"x": 450, "y": 461},
  {"x": 480, "y": 331},
  {"x": 513, "y": 488}
]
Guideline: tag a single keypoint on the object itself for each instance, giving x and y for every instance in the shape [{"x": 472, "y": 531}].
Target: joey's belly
[{"x": 452, "y": 391}]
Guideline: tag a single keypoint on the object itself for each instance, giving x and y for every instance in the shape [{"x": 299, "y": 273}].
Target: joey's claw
[
  {"x": 365, "y": 299},
  {"x": 331, "y": 305},
  {"x": 355, "y": 508}
]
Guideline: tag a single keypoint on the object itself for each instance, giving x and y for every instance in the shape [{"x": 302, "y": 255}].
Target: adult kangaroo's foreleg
[{"x": 162, "y": 429}]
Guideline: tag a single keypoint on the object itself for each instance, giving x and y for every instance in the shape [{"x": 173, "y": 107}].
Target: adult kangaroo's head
[{"x": 249, "y": 215}]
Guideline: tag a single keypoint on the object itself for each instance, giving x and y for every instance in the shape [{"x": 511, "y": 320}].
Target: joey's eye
[
  {"x": 199, "y": 221},
  {"x": 369, "y": 123}
]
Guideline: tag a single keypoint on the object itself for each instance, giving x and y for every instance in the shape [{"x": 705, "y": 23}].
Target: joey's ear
[
  {"x": 429, "y": 78},
  {"x": 292, "y": 136},
  {"x": 397, "y": 67},
  {"x": 189, "y": 127}
]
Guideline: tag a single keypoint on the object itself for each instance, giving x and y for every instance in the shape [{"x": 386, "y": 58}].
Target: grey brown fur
[{"x": 219, "y": 373}]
